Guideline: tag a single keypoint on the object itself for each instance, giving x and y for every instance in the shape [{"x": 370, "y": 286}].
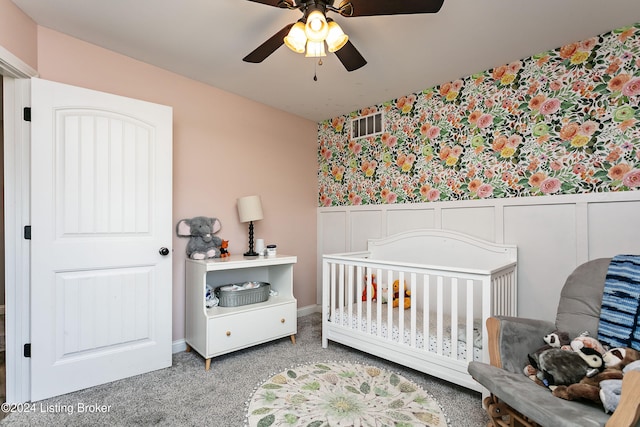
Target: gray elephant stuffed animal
[{"x": 202, "y": 242}]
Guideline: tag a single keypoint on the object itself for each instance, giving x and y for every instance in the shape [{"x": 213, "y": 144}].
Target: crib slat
[
  {"x": 401, "y": 286},
  {"x": 439, "y": 311},
  {"x": 332, "y": 287},
  {"x": 341, "y": 289},
  {"x": 368, "y": 308},
  {"x": 487, "y": 305},
  {"x": 454, "y": 318},
  {"x": 502, "y": 294},
  {"x": 426, "y": 310},
  {"x": 390, "y": 306},
  {"x": 413, "y": 293},
  {"x": 349, "y": 301},
  {"x": 359, "y": 286},
  {"x": 470, "y": 320}
]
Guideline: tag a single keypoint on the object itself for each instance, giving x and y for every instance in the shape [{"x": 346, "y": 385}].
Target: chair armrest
[
  {"x": 627, "y": 413},
  {"x": 536, "y": 402},
  {"x": 511, "y": 339}
]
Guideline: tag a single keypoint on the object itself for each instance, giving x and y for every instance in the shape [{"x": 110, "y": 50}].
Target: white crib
[{"x": 455, "y": 283}]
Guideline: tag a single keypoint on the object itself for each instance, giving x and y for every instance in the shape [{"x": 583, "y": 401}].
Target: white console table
[{"x": 219, "y": 330}]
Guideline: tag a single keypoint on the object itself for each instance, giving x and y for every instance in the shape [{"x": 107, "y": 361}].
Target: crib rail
[{"x": 443, "y": 303}]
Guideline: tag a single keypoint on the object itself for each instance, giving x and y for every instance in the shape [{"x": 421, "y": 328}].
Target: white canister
[
  {"x": 271, "y": 250},
  {"x": 260, "y": 246}
]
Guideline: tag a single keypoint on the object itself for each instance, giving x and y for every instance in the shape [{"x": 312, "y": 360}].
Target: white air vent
[{"x": 369, "y": 125}]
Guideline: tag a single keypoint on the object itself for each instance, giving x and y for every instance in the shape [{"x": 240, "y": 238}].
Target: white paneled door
[{"x": 101, "y": 238}]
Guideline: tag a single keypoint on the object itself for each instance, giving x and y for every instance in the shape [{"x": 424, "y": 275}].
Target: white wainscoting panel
[
  {"x": 554, "y": 234},
  {"x": 546, "y": 240},
  {"x": 333, "y": 231},
  {"x": 477, "y": 222},
  {"x": 614, "y": 228},
  {"x": 365, "y": 225},
  {"x": 409, "y": 219}
]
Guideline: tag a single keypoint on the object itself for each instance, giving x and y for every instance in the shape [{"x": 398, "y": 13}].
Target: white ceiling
[{"x": 207, "y": 39}]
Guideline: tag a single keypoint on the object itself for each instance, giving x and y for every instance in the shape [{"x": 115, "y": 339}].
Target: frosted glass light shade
[
  {"x": 317, "y": 27},
  {"x": 315, "y": 49},
  {"x": 250, "y": 208},
  {"x": 336, "y": 38},
  {"x": 296, "y": 39}
]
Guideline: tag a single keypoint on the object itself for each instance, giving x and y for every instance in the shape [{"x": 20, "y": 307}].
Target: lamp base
[{"x": 251, "y": 252}]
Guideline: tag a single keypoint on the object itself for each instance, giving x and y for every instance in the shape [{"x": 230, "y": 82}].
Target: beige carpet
[{"x": 187, "y": 395}]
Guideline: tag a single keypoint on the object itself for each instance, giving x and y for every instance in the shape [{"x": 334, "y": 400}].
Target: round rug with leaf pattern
[{"x": 342, "y": 394}]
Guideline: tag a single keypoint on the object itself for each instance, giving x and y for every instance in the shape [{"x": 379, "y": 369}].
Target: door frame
[{"x": 16, "y": 96}]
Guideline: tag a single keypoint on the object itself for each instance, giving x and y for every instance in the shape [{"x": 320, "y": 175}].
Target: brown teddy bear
[{"x": 589, "y": 387}]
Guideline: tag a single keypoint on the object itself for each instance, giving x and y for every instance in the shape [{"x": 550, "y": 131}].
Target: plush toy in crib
[
  {"x": 371, "y": 290},
  {"x": 406, "y": 299},
  {"x": 202, "y": 241}
]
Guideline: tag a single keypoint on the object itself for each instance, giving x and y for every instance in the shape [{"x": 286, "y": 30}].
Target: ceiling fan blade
[
  {"x": 388, "y": 7},
  {"x": 267, "y": 48},
  {"x": 285, "y": 4},
  {"x": 350, "y": 57}
]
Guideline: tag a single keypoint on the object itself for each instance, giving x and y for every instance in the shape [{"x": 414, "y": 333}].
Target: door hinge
[
  {"x": 27, "y": 350},
  {"x": 27, "y": 232},
  {"x": 26, "y": 115}
]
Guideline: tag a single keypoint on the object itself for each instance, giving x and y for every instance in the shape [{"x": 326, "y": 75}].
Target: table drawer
[{"x": 235, "y": 331}]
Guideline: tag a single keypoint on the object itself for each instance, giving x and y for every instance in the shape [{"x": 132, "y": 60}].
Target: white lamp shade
[
  {"x": 315, "y": 49},
  {"x": 336, "y": 38},
  {"x": 296, "y": 39},
  {"x": 249, "y": 208}
]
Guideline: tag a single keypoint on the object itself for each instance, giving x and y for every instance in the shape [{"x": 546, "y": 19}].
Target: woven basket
[{"x": 235, "y": 298}]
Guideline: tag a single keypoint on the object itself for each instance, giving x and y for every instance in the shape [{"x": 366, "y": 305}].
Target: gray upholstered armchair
[{"x": 516, "y": 397}]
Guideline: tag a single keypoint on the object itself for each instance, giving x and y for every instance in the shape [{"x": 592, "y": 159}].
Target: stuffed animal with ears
[
  {"x": 620, "y": 357},
  {"x": 610, "y": 390},
  {"x": 224, "y": 249},
  {"x": 370, "y": 290},
  {"x": 589, "y": 388},
  {"x": 202, "y": 242},
  {"x": 584, "y": 340},
  {"x": 555, "y": 339},
  {"x": 406, "y": 298},
  {"x": 560, "y": 367},
  {"x": 373, "y": 290}
]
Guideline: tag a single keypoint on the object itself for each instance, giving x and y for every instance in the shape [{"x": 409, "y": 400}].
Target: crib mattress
[{"x": 360, "y": 324}]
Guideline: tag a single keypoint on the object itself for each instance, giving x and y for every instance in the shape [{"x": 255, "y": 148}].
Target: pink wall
[
  {"x": 225, "y": 147},
  {"x": 18, "y": 33}
]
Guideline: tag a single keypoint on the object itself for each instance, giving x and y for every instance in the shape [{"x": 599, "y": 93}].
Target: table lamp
[{"x": 249, "y": 210}]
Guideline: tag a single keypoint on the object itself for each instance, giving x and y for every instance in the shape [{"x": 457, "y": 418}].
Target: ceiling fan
[{"x": 310, "y": 33}]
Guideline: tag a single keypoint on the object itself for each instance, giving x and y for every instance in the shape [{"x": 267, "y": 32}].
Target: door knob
[{"x": 164, "y": 251}]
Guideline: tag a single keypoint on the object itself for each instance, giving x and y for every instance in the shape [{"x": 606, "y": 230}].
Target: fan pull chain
[{"x": 315, "y": 70}]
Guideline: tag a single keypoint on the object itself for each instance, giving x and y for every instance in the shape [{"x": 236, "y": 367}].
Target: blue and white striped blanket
[{"x": 620, "y": 313}]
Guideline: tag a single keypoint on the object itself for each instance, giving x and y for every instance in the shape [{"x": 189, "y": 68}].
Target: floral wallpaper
[{"x": 565, "y": 121}]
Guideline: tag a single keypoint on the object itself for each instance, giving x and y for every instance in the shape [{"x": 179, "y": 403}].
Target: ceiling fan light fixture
[
  {"x": 316, "y": 28},
  {"x": 336, "y": 38},
  {"x": 315, "y": 49},
  {"x": 296, "y": 40}
]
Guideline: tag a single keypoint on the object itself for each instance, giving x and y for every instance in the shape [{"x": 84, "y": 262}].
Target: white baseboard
[
  {"x": 310, "y": 309},
  {"x": 180, "y": 345}
]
